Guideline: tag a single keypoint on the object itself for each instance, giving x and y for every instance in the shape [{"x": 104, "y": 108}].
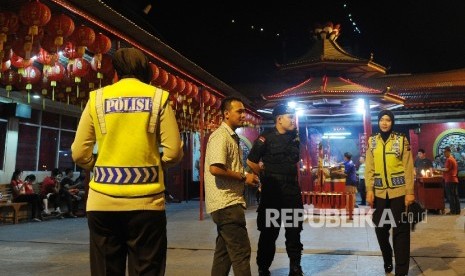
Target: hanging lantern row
[{"x": 34, "y": 38}]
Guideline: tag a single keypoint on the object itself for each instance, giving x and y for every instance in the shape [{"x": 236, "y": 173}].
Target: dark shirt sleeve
[{"x": 258, "y": 149}]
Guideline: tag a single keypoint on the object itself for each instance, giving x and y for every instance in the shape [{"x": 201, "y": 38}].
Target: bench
[{"x": 11, "y": 210}]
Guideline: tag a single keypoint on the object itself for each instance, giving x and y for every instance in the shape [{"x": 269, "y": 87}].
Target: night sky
[{"x": 404, "y": 36}]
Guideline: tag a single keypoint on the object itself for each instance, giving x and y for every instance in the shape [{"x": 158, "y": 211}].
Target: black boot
[
  {"x": 388, "y": 268},
  {"x": 263, "y": 272},
  {"x": 296, "y": 270}
]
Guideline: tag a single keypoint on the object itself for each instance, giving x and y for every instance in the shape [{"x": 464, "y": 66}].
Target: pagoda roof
[
  {"x": 331, "y": 95},
  {"x": 425, "y": 90},
  {"x": 332, "y": 87},
  {"x": 328, "y": 57}
]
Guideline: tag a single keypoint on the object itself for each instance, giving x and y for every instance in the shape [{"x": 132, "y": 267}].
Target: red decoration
[
  {"x": 34, "y": 14},
  {"x": 44, "y": 58},
  {"x": 101, "y": 45},
  {"x": 188, "y": 90},
  {"x": 171, "y": 83},
  {"x": 5, "y": 66},
  {"x": 180, "y": 87},
  {"x": 20, "y": 62},
  {"x": 82, "y": 37},
  {"x": 161, "y": 79},
  {"x": 155, "y": 71},
  {"x": 106, "y": 65},
  {"x": 212, "y": 100},
  {"x": 79, "y": 67},
  {"x": 205, "y": 96},
  {"x": 29, "y": 76},
  {"x": 26, "y": 48},
  {"x": 55, "y": 72},
  {"x": 59, "y": 27},
  {"x": 9, "y": 78},
  {"x": 9, "y": 24},
  {"x": 70, "y": 50},
  {"x": 195, "y": 93}
]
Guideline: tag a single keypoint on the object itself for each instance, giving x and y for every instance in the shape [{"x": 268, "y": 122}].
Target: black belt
[{"x": 282, "y": 177}]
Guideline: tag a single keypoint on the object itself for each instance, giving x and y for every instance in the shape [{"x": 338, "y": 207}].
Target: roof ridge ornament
[{"x": 326, "y": 31}]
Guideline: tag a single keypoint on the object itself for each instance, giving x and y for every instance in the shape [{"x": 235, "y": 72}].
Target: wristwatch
[{"x": 243, "y": 176}]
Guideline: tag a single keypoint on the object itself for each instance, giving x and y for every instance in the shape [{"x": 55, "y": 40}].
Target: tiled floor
[{"x": 60, "y": 247}]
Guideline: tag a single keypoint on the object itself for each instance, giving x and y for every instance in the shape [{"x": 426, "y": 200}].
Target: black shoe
[
  {"x": 388, "y": 268},
  {"x": 264, "y": 272},
  {"x": 296, "y": 271}
]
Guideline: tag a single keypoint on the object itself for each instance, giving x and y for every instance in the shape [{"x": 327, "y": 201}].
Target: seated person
[
  {"x": 23, "y": 192},
  {"x": 50, "y": 190},
  {"x": 75, "y": 188},
  {"x": 69, "y": 189}
]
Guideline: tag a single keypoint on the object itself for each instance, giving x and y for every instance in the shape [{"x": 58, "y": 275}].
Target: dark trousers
[
  {"x": 232, "y": 243},
  {"x": 270, "y": 232},
  {"x": 138, "y": 236},
  {"x": 362, "y": 190},
  {"x": 34, "y": 200},
  {"x": 401, "y": 232},
  {"x": 68, "y": 199},
  {"x": 452, "y": 194}
]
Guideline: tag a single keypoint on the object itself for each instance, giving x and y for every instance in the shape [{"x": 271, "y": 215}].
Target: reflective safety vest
[
  {"x": 128, "y": 162},
  {"x": 389, "y": 168}
]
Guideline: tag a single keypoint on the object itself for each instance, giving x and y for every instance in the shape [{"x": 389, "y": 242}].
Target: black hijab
[{"x": 385, "y": 135}]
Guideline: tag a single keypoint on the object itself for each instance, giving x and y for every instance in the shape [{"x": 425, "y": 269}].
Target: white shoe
[
  {"x": 57, "y": 210},
  {"x": 47, "y": 212}
]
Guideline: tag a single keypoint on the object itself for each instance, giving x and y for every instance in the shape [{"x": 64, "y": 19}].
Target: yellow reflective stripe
[
  {"x": 99, "y": 110},
  {"x": 156, "y": 102}
]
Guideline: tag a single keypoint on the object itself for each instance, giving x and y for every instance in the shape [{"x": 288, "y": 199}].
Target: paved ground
[{"x": 60, "y": 247}]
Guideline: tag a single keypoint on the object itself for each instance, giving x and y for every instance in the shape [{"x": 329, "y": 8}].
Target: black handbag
[{"x": 415, "y": 213}]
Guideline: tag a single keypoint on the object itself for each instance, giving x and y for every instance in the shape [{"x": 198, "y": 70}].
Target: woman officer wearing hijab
[{"x": 389, "y": 183}]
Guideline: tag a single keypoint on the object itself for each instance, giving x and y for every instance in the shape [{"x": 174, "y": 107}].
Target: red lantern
[
  {"x": 180, "y": 86},
  {"x": 171, "y": 83},
  {"x": 44, "y": 58},
  {"x": 9, "y": 24},
  {"x": 55, "y": 74},
  {"x": 29, "y": 76},
  {"x": 155, "y": 71},
  {"x": 106, "y": 70},
  {"x": 218, "y": 104},
  {"x": 26, "y": 48},
  {"x": 212, "y": 100},
  {"x": 82, "y": 37},
  {"x": 9, "y": 78},
  {"x": 106, "y": 65},
  {"x": 195, "y": 93},
  {"x": 20, "y": 62},
  {"x": 5, "y": 66},
  {"x": 188, "y": 90},
  {"x": 48, "y": 44},
  {"x": 101, "y": 45},
  {"x": 78, "y": 69},
  {"x": 161, "y": 79},
  {"x": 205, "y": 96},
  {"x": 60, "y": 26},
  {"x": 34, "y": 14}
]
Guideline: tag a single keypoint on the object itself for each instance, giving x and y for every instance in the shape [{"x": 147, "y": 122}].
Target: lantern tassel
[
  {"x": 28, "y": 97},
  {"x": 43, "y": 103},
  {"x": 77, "y": 91},
  {"x": 53, "y": 93}
]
